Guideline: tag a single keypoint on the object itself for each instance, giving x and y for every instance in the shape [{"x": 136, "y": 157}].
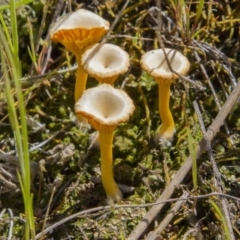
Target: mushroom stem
[
  {"x": 167, "y": 129},
  {"x": 154, "y": 62},
  {"x": 104, "y": 107},
  {"x": 81, "y": 79},
  {"x": 109, "y": 184}
]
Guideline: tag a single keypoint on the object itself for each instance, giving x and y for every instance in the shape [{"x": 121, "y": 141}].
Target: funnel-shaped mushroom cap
[
  {"x": 104, "y": 106},
  {"x": 154, "y": 62},
  {"x": 105, "y": 62},
  {"x": 78, "y": 30}
]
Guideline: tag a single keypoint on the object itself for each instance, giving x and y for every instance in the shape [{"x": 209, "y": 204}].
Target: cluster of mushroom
[{"x": 104, "y": 106}]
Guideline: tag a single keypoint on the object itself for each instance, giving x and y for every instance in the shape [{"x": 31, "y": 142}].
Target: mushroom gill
[
  {"x": 105, "y": 62},
  {"x": 76, "y": 31}
]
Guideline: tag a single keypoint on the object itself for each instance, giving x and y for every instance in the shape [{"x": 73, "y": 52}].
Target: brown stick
[
  {"x": 168, "y": 218},
  {"x": 216, "y": 174},
  {"x": 167, "y": 193}
]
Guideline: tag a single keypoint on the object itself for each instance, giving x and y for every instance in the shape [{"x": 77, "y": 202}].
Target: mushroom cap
[
  {"x": 154, "y": 62},
  {"x": 104, "y": 106},
  {"x": 105, "y": 62},
  {"x": 78, "y": 30}
]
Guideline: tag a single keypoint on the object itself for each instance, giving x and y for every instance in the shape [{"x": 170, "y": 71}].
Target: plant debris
[{"x": 65, "y": 164}]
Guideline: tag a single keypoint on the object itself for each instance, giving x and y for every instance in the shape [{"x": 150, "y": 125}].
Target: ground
[{"x": 65, "y": 167}]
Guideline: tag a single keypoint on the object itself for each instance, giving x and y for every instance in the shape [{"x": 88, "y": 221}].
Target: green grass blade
[
  {"x": 4, "y": 26},
  {"x": 193, "y": 154},
  {"x": 199, "y": 11},
  {"x": 222, "y": 218},
  {"x": 9, "y": 70},
  {"x": 10, "y": 101},
  {"x": 18, "y": 4},
  {"x": 12, "y": 72},
  {"x": 14, "y": 29}
]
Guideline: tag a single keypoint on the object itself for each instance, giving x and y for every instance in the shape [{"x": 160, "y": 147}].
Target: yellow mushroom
[
  {"x": 76, "y": 31},
  {"x": 105, "y": 62},
  {"x": 154, "y": 62},
  {"x": 105, "y": 107}
]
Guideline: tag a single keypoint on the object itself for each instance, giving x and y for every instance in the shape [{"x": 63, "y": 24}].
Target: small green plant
[{"x": 11, "y": 67}]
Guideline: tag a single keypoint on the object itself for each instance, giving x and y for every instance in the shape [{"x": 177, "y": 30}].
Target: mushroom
[
  {"x": 105, "y": 62},
  {"x": 105, "y": 107},
  {"x": 154, "y": 62},
  {"x": 76, "y": 31}
]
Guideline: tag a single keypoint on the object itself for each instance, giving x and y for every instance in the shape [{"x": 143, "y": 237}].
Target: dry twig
[
  {"x": 216, "y": 173},
  {"x": 172, "y": 213},
  {"x": 167, "y": 193}
]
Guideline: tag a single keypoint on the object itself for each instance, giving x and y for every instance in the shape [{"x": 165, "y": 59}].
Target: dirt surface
[{"x": 65, "y": 163}]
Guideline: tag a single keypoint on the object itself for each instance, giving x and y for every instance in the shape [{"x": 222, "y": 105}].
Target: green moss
[
  {"x": 62, "y": 112},
  {"x": 123, "y": 144},
  {"x": 132, "y": 132},
  {"x": 137, "y": 161},
  {"x": 147, "y": 161}
]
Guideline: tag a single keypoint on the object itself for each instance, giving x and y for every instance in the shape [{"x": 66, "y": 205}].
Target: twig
[
  {"x": 104, "y": 208},
  {"x": 204, "y": 72},
  {"x": 167, "y": 193},
  {"x": 48, "y": 140},
  {"x": 116, "y": 20},
  {"x": 218, "y": 56},
  {"x": 10, "y": 224},
  {"x": 169, "y": 217},
  {"x": 216, "y": 173},
  {"x": 212, "y": 63},
  {"x": 42, "y": 25},
  {"x": 129, "y": 37},
  {"x": 10, "y": 221},
  {"x": 48, "y": 209},
  {"x": 57, "y": 195},
  {"x": 158, "y": 34},
  {"x": 47, "y": 75}
]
